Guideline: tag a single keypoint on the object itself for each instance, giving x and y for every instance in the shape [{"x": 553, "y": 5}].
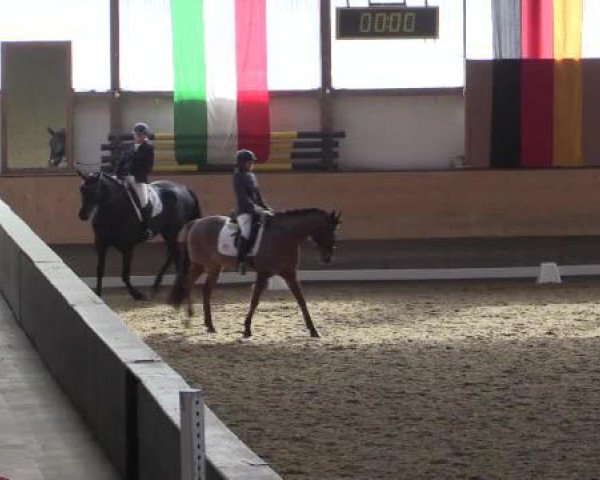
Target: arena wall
[
  {"x": 386, "y": 131},
  {"x": 374, "y": 205},
  {"x": 127, "y": 395}
]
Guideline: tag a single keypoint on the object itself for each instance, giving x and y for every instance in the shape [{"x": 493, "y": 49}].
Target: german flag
[{"x": 536, "y": 102}]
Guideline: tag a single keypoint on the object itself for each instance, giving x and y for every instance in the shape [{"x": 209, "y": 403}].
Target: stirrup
[{"x": 146, "y": 234}]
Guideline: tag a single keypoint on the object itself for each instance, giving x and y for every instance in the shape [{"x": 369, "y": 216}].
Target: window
[
  {"x": 405, "y": 63},
  {"x": 146, "y": 56},
  {"x": 293, "y": 42},
  {"x": 86, "y": 23},
  {"x": 479, "y": 30}
]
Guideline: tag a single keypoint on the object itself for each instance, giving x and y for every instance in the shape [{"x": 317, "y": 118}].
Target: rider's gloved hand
[{"x": 265, "y": 215}]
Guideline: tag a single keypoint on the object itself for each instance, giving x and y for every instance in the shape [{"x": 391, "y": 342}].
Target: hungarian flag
[{"x": 221, "y": 93}]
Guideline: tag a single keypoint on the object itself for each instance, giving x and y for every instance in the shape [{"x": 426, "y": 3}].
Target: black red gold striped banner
[{"x": 537, "y": 84}]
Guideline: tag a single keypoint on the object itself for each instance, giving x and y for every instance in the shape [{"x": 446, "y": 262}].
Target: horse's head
[
  {"x": 92, "y": 194},
  {"x": 324, "y": 235},
  {"x": 58, "y": 146}
]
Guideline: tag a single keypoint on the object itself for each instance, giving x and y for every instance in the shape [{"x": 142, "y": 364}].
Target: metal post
[{"x": 193, "y": 455}]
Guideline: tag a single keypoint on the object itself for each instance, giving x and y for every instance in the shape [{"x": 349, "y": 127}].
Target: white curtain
[
  {"x": 86, "y": 23},
  {"x": 403, "y": 63}
]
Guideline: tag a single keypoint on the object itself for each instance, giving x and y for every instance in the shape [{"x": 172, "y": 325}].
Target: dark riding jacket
[
  {"x": 249, "y": 199},
  {"x": 139, "y": 163}
]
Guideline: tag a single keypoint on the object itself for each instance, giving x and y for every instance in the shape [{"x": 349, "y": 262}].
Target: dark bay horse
[
  {"x": 58, "y": 147},
  {"x": 277, "y": 255},
  {"x": 116, "y": 223}
]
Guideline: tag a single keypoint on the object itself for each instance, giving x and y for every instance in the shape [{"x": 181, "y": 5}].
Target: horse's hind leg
[
  {"x": 195, "y": 271},
  {"x": 294, "y": 285},
  {"x": 209, "y": 284},
  {"x": 259, "y": 287}
]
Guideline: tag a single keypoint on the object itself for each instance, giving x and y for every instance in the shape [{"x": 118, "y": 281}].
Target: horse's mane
[{"x": 301, "y": 211}]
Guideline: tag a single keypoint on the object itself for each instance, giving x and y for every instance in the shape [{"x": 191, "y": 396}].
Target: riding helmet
[
  {"x": 141, "y": 128},
  {"x": 243, "y": 156}
]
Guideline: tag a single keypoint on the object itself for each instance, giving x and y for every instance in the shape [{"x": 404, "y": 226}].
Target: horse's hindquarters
[{"x": 202, "y": 240}]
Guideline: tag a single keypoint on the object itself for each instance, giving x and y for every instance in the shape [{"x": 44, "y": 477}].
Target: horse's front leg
[
  {"x": 172, "y": 255},
  {"x": 294, "y": 285},
  {"x": 259, "y": 287},
  {"x": 209, "y": 284},
  {"x": 101, "y": 249},
  {"x": 125, "y": 275}
]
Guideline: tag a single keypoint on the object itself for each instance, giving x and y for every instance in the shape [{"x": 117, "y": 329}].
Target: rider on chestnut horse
[{"x": 250, "y": 203}]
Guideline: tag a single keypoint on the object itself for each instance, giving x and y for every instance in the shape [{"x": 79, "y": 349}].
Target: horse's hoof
[
  {"x": 315, "y": 334},
  {"x": 211, "y": 330},
  {"x": 154, "y": 291},
  {"x": 139, "y": 296},
  {"x": 247, "y": 334}
]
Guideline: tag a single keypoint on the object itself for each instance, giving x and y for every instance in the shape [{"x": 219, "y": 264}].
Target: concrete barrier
[{"x": 127, "y": 395}]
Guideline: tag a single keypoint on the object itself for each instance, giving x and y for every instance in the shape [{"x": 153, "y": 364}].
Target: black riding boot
[
  {"x": 145, "y": 231},
  {"x": 242, "y": 254}
]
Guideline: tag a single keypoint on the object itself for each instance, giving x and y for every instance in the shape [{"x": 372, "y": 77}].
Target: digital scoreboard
[{"x": 387, "y": 22}]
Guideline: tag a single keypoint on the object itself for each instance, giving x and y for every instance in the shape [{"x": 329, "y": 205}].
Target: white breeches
[
  {"x": 245, "y": 222},
  {"x": 140, "y": 189}
]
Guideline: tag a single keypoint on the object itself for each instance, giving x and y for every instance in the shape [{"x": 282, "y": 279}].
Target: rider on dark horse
[
  {"x": 137, "y": 166},
  {"x": 250, "y": 203}
]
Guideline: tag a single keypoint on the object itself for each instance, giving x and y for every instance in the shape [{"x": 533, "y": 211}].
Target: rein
[
  {"x": 111, "y": 199},
  {"x": 112, "y": 179}
]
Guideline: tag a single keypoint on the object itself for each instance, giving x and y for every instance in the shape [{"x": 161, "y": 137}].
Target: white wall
[
  {"x": 400, "y": 132},
  {"x": 91, "y": 123},
  {"x": 383, "y": 132},
  {"x": 157, "y": 112}
]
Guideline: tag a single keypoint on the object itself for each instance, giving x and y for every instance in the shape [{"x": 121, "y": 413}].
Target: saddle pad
[
  {"x": 225, "y": 244},
  {"x": 155, "y": 201},
  {"x": 153, "y": 198}
]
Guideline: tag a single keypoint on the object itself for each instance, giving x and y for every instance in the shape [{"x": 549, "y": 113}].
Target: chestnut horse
[{"x": 277, "y": 255}]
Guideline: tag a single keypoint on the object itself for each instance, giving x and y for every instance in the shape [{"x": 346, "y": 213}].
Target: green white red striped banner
[{"x": 220, "y": 66}]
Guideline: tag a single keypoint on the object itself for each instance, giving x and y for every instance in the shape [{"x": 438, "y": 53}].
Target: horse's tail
[
  {"x": 180, "y": 290},
  {"x": 196, "y": 212}
]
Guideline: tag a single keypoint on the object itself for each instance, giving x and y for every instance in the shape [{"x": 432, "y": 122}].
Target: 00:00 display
[{"x": 387, "y": 22}]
